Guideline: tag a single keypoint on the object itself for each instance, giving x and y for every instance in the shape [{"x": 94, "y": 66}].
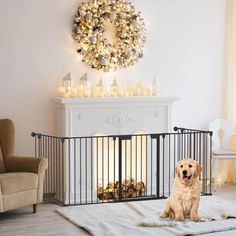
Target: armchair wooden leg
[{"x": 35, "y": 208}]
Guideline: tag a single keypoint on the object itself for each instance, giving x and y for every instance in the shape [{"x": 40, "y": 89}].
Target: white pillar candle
[
  {"x": 154, "y": 87},
  {"x": 126, "y": 91},
  {"x": 94, "y": 91},
  {"x": 85, "y": 91},
  {"x": 88, "y": 92},
  {"x": 149, "y": 90},
  {"x": 101, "y": 92},
  {"x": 80, "y": 92},
  {"x": 74, "y": 92},
  {"x": 68, "y": 92},
  {"x": 131, "y": 90},
  {"x": 143, "y": 91},
  {"x": 137, "y": 91},
  {"x": 106, "y": 91},
  {"x": 120, "y": 92},
  {"x": 62, "y": 91}
]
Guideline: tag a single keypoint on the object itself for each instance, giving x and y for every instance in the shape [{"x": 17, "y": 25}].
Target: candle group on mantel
[{"x": 85, "y": 89}]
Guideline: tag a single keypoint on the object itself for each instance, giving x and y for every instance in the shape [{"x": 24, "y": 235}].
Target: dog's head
[{"x": 187, "y": 169}]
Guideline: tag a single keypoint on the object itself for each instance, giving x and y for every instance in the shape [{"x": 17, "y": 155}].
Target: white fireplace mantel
[
  {"x": 80, "y": 117},
  {"x": 111, "y": 116}
]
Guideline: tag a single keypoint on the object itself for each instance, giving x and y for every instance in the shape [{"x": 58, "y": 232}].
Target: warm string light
[
  {"x": 85, "y": 89},
  {"x": 89, "y": 28}
]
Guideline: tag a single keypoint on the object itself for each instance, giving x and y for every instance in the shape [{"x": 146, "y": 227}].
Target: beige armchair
[{"x": 21, "y": 178}]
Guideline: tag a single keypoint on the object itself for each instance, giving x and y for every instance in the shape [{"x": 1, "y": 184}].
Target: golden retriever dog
[{"x": 184, "y": 199}]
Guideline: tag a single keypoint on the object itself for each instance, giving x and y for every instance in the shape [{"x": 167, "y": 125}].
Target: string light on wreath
[{"x": 89, "y": 28}]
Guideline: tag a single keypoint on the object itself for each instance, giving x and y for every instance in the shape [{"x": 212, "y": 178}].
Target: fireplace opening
[
  {"x": 133, "y": 174},
  {"x": 101, "y": 168}
]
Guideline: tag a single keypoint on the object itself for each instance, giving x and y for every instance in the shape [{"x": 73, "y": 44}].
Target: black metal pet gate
[{"x": 99, "y": 169}]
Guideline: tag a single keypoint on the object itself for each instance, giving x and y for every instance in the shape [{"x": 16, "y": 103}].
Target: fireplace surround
[{"x": 110, "y": 116}]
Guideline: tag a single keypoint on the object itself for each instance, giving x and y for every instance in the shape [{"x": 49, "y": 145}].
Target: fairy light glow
[{"x": 96, "y": 49}]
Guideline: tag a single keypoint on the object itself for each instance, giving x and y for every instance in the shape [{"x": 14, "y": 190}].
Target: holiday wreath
[{"x": 89, "y": 28}]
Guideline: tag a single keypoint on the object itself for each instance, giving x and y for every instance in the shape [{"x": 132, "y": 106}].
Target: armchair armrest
[{"x": 26, "y": 164}]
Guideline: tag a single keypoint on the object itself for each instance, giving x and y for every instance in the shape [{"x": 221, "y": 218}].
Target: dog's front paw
[
  {"x": 172, "y": 215},
  {"x": 195, "y": 217},
  {"x": 179, "y": 217},
  {"x": 164, "y": 214}
]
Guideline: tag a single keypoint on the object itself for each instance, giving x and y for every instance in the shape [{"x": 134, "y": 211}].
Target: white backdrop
[{"x": 184, "y": 52}]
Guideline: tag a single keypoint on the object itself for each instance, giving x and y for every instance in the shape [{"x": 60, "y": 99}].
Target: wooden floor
[{"x": 47, "y": 222}]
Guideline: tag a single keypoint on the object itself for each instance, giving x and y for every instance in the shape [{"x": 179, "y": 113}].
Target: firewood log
[
  {"x": 129, "y": 187},
  {"x": 116, "y": 195},
  {"x": 110, "y": 185},
  {"x": 108, "y": 196},
  {"x": 130, "y": 191},
  {"x": 100, "y": 190}
]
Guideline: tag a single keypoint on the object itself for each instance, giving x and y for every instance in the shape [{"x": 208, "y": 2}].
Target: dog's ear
[
  {"x": 198, "y": 170},
  {"x": 177, "y": 171}
]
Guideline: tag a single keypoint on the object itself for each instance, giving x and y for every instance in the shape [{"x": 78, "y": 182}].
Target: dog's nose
[{"x": 185, "y": 172}]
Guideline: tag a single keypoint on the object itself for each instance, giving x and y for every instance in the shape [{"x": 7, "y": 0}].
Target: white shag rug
[{"x": 142, "y": 218}]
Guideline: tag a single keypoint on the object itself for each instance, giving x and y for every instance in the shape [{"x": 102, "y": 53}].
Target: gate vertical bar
[
  {"x": 169, "y": 163},
  {"x": 163, "y": 164},
  {"x": 114, "y": 174},
  {"x": 91, "y": 150},
  {"x": 158, "y": 167},
  {"x": 120, "y": 168},
  {"x": 63, "y": 169},
  {"x": 75, "y": 174},
  {"x": 211, "y": 134},
  {"x": 108, "y": 165},
  {"x": 69, "y": 167},
  {"x": 151, "y": 162}
]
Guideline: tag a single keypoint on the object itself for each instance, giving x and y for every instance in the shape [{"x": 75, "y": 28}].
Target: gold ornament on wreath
[{"x": 89, "y": 28}]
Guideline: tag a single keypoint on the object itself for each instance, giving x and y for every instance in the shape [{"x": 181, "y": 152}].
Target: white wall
[{"x": 184, "y": 51}]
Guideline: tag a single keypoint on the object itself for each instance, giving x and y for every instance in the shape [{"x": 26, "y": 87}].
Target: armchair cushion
[
  {"x": 18, "y": 182},
  {"x": 2, "y": 166},
  {"x": 26, "y": 164}
]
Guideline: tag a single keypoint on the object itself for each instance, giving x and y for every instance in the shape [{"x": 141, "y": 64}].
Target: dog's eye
[
  {"x": 190, "y": 166},
  {"x": 181, "y": 166}
]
